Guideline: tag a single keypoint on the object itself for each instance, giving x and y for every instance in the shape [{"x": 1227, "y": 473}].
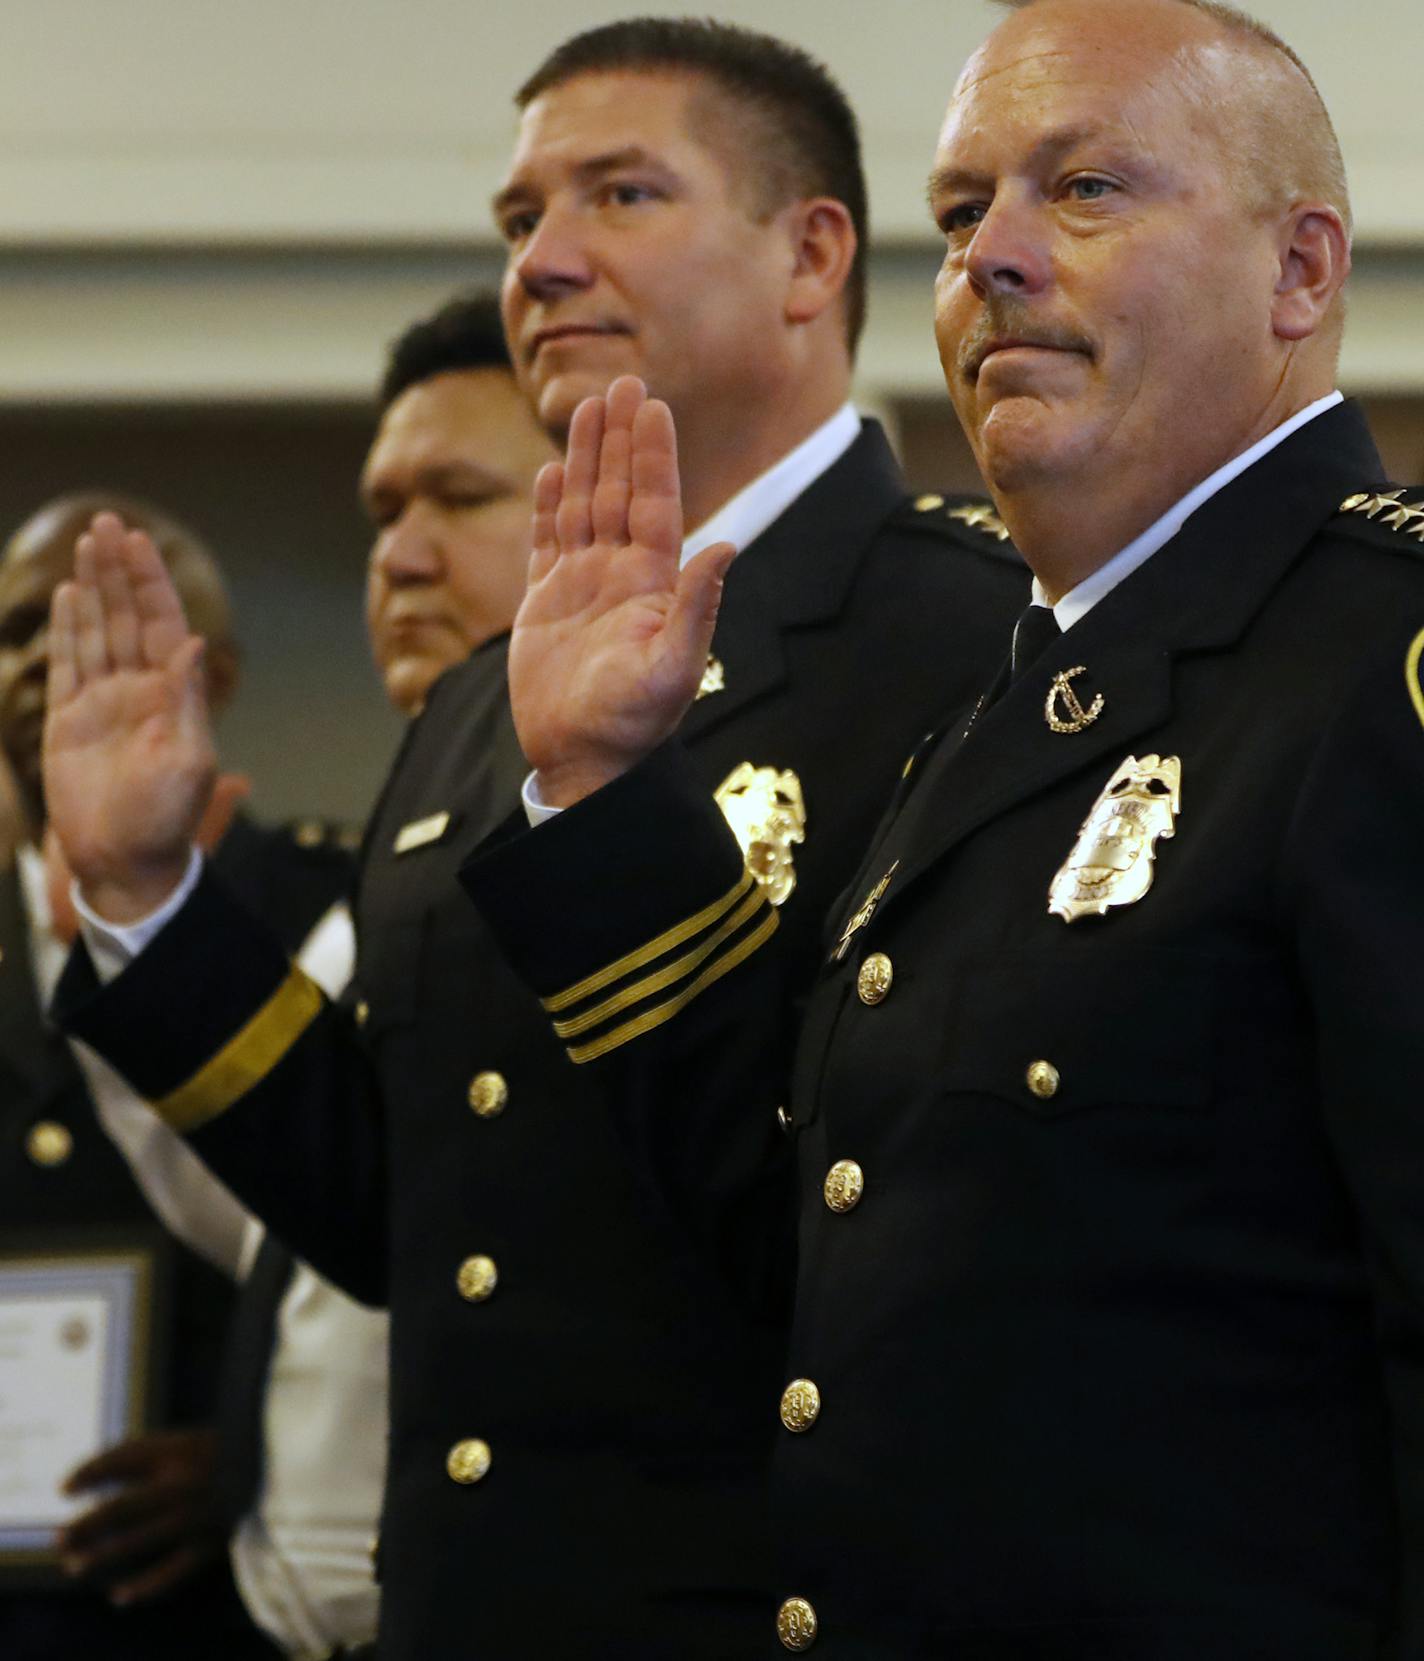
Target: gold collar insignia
[
  {"x": 1062, "y": 710},
  {"x": 864, "y": 913},
  {"x": 714, "y": 678}
]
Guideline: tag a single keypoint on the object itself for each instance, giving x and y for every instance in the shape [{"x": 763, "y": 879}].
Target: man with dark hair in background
[
  {"x": 448, "y": 486},
  {"x": 83, "y": 1157},
  {"x": 578, "y": 1421}
]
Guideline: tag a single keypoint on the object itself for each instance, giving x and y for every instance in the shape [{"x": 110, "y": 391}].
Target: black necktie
[{"x": 1035, "y": 630}]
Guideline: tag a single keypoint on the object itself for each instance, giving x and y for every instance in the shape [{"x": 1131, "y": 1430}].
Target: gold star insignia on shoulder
[
  {"x": 979, "y": 516},
  {"x": 1388, "y": 508}
]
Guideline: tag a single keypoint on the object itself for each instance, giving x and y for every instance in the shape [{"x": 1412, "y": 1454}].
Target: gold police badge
[
  {"x": 767, "y": 814},
  {"x": 1111, "y": 862}
]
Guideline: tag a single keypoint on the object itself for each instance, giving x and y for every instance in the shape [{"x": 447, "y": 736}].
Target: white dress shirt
[
  {"x": 184, "y": 1195},
  {"x": 302, "y": 1558}
]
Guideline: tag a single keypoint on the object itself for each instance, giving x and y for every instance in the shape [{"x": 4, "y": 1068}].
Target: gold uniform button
[
  {"x": 845, "y": 1183},
  {"x": 468, "y": 1461},
  {"x": 477, "y": 1278},
  {"x": 783, "y": 1118},
  {"x": 800, "y": 1405},
  {"x": 488, "y": 1094},
  {"x": 1042, "y": 1080},
  {"x": 363, "y": 1013},
  {"x": 49, "y": 1142},
  {"x": 796, "y": 1624},
  {"x": 873, "y": 981}
]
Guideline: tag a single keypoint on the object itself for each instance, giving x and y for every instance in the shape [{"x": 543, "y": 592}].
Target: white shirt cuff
[
  {"x": 113, "y": 946},
  {"x": 536, "y": 810}
]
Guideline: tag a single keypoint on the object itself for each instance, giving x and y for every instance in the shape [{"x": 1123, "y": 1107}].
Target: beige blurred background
[{"x": 214, "y": 215}]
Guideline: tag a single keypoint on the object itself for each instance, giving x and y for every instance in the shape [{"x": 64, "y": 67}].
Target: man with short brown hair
[{"x": 578, "y": 1425}]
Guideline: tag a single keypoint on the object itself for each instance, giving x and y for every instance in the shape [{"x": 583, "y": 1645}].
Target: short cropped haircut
[
  {"x": 466, "y": 333},
  {"x": 799, "y": 138}
]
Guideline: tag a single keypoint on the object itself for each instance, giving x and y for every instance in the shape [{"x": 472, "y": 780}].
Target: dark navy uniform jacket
[
  {"x": 579, "y": 1375},
  {"x": 1109, "y": 1314},
  {"x": 62, "y": 1181}
]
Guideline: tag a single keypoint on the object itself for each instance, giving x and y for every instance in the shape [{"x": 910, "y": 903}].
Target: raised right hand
[
  {"x": 611, "y": 641},
  {"x": 128, "y": 755}
]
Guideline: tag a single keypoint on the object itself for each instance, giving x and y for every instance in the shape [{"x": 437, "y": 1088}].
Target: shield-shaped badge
[
  {"x": 1111, "y": 862},
  {"x": 767, "y": 813}
]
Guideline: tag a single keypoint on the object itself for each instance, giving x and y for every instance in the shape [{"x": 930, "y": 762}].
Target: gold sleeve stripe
[
  {"x": 644, "y": 955},
  {"x": 1411, "y": 674},
  {"x": 677, "y": 970},
  {"x": 655, "y": 1017},
  {"x": 246, "y": 1059}
]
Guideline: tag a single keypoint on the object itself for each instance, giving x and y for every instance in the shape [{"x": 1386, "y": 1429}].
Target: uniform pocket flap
[{"x": 1057, "y": 1032}]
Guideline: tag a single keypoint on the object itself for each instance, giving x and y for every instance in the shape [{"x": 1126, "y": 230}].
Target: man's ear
[
  {"x": 222, "y": 669},
  {"x": 823, "y": 248},
  {"x": 1314, "y": 263}
]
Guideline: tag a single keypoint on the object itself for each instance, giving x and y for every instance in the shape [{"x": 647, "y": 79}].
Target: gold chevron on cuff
[
  {"x": 667, "y": 976},
  {"x": 668, "y": 941},
  {"x": 660, "y": 1013},
  {"x": 247, "y": 1058}
]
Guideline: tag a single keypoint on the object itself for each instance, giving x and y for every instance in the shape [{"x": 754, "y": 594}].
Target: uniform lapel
[
  {"x": 1196, "y": 594},
  {"x": 797, "y": 573}
]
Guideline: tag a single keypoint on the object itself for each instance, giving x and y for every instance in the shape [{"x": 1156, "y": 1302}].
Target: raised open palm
[
  {"x": 611, "y": 641},
  {"x": 128, "y": 755}
]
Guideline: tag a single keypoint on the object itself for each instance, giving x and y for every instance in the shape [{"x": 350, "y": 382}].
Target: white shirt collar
[
  {"x": 762, "y": 502},
  {"x": 1078, "y": 602}
]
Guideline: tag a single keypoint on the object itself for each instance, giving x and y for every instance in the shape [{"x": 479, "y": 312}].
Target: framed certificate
[{"x": 77, "y": 1329}]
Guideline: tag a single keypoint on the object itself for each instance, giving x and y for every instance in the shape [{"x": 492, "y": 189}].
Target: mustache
[{"x": 1006, "y": 320}]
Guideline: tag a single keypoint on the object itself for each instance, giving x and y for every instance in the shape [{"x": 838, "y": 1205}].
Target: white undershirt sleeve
[{"x": 113, "y": 946}]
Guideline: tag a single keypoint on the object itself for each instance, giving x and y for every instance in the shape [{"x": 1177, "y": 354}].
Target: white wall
[
  {"x": 309, "y": 119},
  {"x": 245, "y": 197}
]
